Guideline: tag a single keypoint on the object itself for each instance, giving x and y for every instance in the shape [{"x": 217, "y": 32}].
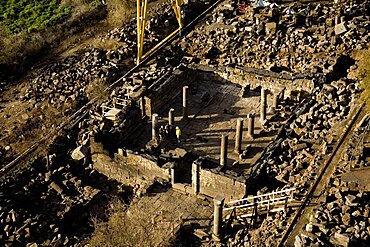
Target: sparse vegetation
[
  {"x": 364, "y": 75},
  {"x": 26, "y": 27},
  {"x": 96, "y": 90},
  {"x": 127, "y": 228},
  {"x": 17, "y": 16},
  {"x": 118, "y": 11}
]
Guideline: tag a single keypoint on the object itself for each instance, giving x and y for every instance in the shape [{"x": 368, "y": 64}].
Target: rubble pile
[
  {"x": 300, "y": 152},
  {"x": 311, "y": 134},
  {"x": 99, "y": 121},
  {"x": 343, "y": 220},
  {"x": 343, "y": 216},
  {"x": 65, "y": 82},
  {"x": 293, "y": 39},
  {"x": 52, "y": 204},
  {"x": 261, "y": 236}
]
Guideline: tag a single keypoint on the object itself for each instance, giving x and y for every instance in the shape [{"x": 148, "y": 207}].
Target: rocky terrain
[
  {"x": 38, "y": 205},
  {"x": 53, "y": 201},
  {"x": 297, "y": 38}
]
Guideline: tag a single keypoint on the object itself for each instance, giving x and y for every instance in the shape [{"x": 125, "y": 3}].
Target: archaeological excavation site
[{"x": 191, "y": 123}]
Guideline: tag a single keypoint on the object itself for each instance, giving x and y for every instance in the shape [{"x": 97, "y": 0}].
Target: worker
[
  {"x": 161, "y": 133},
  {"x": 178, "y": 133}
]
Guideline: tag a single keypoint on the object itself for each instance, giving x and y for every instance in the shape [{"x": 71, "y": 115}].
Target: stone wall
[
  {"x": 165, "y": 89},
  {"x": 242, "y": 76},
  {"x": 169, "y": 86},
  {"x": 213, "y": 184},
  {"x": 132, "y": 169}
]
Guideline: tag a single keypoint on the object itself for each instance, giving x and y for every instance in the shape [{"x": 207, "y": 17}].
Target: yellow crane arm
[{"x": 141, "y": 21}]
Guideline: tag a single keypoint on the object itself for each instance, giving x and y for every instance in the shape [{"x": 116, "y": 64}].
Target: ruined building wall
[
  {"x": 129, "y": 170},
  {"x": 213, "y": 184},
  {"x": 255, "y": 77},
  {"x": 165, "y": 89}
]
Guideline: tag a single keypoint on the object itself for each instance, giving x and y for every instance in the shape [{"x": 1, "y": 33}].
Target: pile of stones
[
  {"x": 294, "y": 39},
  {"x": 310, "y": 135},
  {"x": 51, "y": 203},
  {"x": 65, "y": 82},
  {"x": 300, "y": 151},
  {"x": 300, "y": 154},
  {"x": 342, "y": 219}
]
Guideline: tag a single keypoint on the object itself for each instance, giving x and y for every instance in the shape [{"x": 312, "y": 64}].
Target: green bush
[
  {"x": 19, "y": 15},
  {"x": 364, "y": 75}
]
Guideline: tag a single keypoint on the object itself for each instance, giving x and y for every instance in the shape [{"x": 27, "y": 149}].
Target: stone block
[
  {"x": 340, "y": 239},
  {"x": 340, "y": 29}
]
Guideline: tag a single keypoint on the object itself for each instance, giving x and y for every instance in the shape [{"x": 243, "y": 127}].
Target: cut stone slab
[
  {"x": 79, "y": 153},
  {"x": 340, "y": 239},
  {"x": 340, "y": 28}
]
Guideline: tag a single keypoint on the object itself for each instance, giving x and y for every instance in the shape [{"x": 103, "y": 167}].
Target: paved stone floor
[
  {"x": 208, "y": 120},
  {"x": 169, "y": 209}
]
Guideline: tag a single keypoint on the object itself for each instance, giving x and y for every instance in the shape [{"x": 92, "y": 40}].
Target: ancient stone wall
[
  {"x": 213, "y": 184},
  {"x": 165, "y": 89},
  {"x": 131, "y": 169},
  {"x": 272, "y": 81}
]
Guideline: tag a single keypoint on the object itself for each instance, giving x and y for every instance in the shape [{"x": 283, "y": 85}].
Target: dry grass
[
  {"x": 95, "y": 90},
  {"x": 364, "y": 75},
  {"x": 17, "y": 49},
  {"x": 119, "y": 11},
  {"x": 127, "y": 227}
]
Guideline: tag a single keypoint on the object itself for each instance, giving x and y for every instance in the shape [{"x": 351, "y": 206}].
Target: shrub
[
  {"x": 21, "y": 15},
  {"x": 364, "y": 75}
]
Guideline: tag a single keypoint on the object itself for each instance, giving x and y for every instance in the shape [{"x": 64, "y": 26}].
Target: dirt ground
[{"x": 26, "y": 122}]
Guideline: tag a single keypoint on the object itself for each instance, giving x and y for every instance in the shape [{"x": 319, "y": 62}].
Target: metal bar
[
  {"x": 259, "y": 196},
  {"x": 260, "y": 202},
  {"x": 143, "y": 21},
  {"x": 160, "y": 43},
  {"x": 138, "y": 28}
]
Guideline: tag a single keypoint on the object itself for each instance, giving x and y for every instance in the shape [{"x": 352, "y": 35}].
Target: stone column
[
  {"x": 172, "y": 175},
  {"x": 223, "y": 156},
  {"x": 195, "y": 169},
  {"x": 155, "y": 127},
  {"x": 250, "y": 125},
  {"x": 171, "y": 117},
  {"x": 218, "y": 203},
  {"x": 185, "y": 102},
  {"x": 333, "y": 40},
  {"x": 337, "y": 20},
  {"x": 142, "y": 104},
  {"x": 48, "y": 173},
  {"x": 47, "y": 161},
  {"x": 238, "y": 136},
  {"x": 263, "y": 104},
  {"x": 275, "y": 103},
  {"x": 282, "y": 95}
]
